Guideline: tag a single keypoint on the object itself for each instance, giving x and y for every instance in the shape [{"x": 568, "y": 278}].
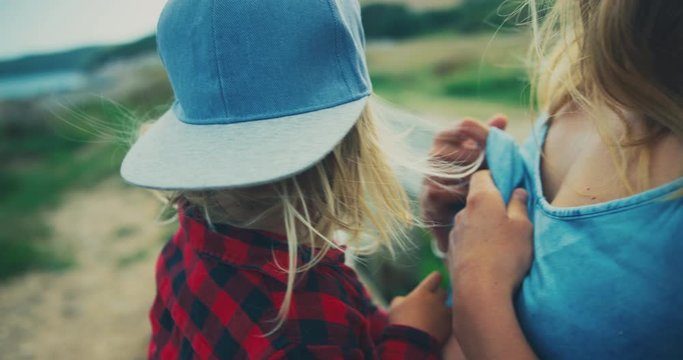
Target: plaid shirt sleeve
[
  {"x": 398, "y": 341},
  {"x": 218, "y": 293}
]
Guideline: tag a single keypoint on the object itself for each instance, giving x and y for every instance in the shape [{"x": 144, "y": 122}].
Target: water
[{"x": 28, "y": 86}]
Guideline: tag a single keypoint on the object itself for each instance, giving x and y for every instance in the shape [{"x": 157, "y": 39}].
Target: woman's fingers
[
  {"x": 464, "y": 142},
  {"x": 439, "y": 192},
  {"x": 466, "y": 129},
  {"x": 450, "y": 153},
  {"x": 517, "y": 209},
  {"x": 481, "y": 183},
  {"x": 484, "y": 198},
  {"x": 499, "y": 121},
  {"x": 471, "y": 129}
]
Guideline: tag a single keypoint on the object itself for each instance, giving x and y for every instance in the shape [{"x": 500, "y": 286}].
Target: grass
[
  {"x": 69, "y": 147},
  {"x": 480, "y": 68},
  {"x": 447, "y": 77},
  {"x": 22, "y": 248},
  {"x": 37, "y": 188},
  {"x": 447, "y": 53},
  {"x": 125, "y": 232},
  {"x": 502, "y": 86},
  {"x": 23, "y": 244},
  {"x": 133, "y": 258}
]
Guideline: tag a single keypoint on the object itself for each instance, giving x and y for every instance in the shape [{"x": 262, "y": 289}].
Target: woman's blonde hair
[
  {"x": 612, "y": 55},
  {"x": 354, "y": 189}
]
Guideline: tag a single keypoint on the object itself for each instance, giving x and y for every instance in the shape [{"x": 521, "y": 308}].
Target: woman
[{"x": 603, "y": 171}]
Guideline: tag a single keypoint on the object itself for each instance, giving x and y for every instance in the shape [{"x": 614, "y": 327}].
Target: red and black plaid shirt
[{"x": 218, "y": 293}]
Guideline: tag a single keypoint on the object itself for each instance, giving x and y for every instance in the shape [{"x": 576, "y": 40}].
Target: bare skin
[
  {"x": 484, "y": 277},
  {"x": 442, "y": 198},
  {"x": 424, "y": 309},
  {"x": 577, "y": 167},
  {"x": 577, "y": 170}
]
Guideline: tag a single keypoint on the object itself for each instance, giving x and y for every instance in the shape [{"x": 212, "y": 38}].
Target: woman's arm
[
  {"x": 487, "y": 328},
  {"x": 489, "y": 254}
]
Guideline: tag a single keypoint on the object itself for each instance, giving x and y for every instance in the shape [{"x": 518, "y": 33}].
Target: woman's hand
[
  {"x": 424, "y": 309},
  {"x": 489, "y": 254},
  {"x": 490, "y": 245},
  {"x": 441, "y": 198}
]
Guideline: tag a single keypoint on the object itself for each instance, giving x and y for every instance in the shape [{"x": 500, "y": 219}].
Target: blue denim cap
[{"x": 264, "y": 90}]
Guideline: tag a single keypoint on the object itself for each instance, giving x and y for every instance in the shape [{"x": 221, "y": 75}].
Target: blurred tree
[
  {"x": 398, "y": 21},
  {"x": 391, "y": 21}
]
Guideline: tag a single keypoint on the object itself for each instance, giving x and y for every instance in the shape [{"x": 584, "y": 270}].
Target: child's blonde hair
[
  {"x": 354, "y": 189},
  {"x": 613, "y": 56}
]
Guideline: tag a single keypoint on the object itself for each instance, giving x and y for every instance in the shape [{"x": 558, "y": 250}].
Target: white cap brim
[{"x": 173, "y": 155}]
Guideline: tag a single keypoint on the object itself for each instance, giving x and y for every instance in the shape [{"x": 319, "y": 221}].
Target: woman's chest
[{"x": 577, "y": 168}]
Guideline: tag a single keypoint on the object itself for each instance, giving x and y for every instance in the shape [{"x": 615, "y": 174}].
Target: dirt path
[{"x": 98, "y": 308}]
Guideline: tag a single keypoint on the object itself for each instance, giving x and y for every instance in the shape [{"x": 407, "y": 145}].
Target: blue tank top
[{"x": 607, "y": 279}]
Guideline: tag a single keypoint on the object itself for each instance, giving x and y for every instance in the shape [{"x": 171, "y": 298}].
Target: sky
[{"x": 40, "y": 26}]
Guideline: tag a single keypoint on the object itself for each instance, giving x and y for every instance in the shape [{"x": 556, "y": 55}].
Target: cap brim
[{"x": 173, "y": 155}]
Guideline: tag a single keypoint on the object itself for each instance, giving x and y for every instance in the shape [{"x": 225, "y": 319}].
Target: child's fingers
[{"x": 430, "y": 284}]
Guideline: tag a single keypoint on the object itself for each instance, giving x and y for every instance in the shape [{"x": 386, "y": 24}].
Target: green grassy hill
[
  {"x": 452, "y": 75},
  {"x": 83, "y": 59}
]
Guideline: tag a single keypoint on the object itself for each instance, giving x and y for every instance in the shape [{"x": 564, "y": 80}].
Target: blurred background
[{"x": 78, "y": 246}]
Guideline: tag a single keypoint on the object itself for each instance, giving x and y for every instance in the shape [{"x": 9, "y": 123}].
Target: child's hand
[
  {"x": 424, "y": 309},
  {"x": 441, "y": 198}
]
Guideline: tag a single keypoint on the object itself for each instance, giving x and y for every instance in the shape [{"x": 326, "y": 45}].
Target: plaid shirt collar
[{"x": 250, "y": 249}]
